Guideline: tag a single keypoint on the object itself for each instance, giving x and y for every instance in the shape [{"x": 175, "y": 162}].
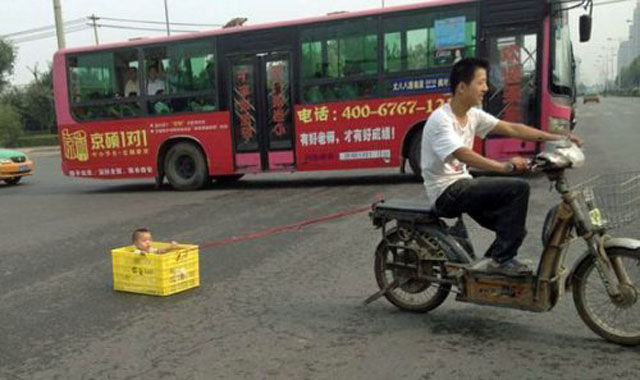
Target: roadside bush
[
  {"x": 38, "y": 140},
  {"x": 10, "y": 126}
]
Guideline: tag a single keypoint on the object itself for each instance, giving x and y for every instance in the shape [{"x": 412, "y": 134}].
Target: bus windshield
[{"x": 561, "y": 66}]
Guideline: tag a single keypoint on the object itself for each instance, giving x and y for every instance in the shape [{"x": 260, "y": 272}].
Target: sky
[{"x": 15, "y": 16}]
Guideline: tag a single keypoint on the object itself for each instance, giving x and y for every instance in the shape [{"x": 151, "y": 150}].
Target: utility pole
[
  {"x": 57, "y": 13},
  {"x": 93, "y": 19},
  {"x": 166, "y": 16}
]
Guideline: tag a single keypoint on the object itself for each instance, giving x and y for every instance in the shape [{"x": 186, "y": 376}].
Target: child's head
[{"x": 142, "y": 239}]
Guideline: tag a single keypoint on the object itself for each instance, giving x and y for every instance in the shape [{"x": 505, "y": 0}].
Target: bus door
[
  {"x": 261, "y": 105},
  {"x": 513, "y": 85}
]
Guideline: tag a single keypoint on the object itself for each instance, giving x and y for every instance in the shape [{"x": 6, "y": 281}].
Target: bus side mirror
[{"x": 585, "y": 28}]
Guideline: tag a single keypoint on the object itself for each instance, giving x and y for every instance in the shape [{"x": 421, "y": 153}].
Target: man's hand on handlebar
[
  {"x": 517, "y": 165},
  {"x": 575, "y": 139},
  {"x": 520, "y": 164}
]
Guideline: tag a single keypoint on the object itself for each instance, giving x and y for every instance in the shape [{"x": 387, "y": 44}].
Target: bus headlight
[{"x": 559, "y": 126}]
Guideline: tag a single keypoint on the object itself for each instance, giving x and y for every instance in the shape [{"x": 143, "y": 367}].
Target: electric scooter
[{"x": 421, "y": 258}]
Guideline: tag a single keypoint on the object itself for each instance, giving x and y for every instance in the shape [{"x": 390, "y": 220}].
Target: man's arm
[
  {"x": 477, "y": 161},
  {"x": 526, "y": 133}
]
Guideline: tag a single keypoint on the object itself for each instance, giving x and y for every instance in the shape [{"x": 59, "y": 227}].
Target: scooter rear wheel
[
  {"x": 616, "y": 321},
  {"x": 401, "y": 266}
]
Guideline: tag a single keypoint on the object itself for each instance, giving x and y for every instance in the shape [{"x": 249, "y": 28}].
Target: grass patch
[{"x": 37, "y": 140}]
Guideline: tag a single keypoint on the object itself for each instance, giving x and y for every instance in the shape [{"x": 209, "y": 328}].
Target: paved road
[{"x": 284, "y": 306}]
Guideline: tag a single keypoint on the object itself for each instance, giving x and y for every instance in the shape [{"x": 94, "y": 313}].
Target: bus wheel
[
  {"x": 185, "y": 167},
  {"x": 414, "y": 155}
]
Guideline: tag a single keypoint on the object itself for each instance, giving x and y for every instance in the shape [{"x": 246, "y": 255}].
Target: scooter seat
[
  {"x": 408, "y": 206},
  {"x": 412, "y": 211}
]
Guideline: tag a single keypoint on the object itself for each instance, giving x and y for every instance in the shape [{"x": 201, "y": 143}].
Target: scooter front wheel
[
  {"x": 616, "y": 320},
  {"x": 396, "y": 270}
]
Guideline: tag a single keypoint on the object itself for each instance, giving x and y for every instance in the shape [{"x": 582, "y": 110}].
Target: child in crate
[{"x": 142, "y": 241}]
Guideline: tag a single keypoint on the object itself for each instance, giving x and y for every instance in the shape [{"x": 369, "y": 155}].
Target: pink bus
[{"x": 344, "y": 91}]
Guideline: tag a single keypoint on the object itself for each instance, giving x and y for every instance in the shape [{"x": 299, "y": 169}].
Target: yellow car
[
  {"x": 14, "y": 165},
  {"x": 591, "y": 97}
]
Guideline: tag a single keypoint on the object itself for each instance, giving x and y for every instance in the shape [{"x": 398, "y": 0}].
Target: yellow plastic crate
[{"x": 156, "y": 274}]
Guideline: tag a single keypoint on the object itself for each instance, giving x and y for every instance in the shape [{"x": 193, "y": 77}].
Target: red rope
[{"x": 279, "y": 229}]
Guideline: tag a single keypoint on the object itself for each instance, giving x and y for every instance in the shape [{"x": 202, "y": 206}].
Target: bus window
[
  {"x": 332, "y": 63},
  {"x": 392, "y": 52},
  {"x": 406, "y": 43},
  {"x": 417, "y": 49},
  {"x": 339, "y": 52},
  {"x": 412, "y": 43},
  {"x": 353, "y": 55},
  {"x": 561, "y": 71},
  {"x": 447, "y": 55},
  {"x": 513, "y": 77},
  {"x": 97, "y": 83},
  {"x": 312, "y": 59},
  {"x": 180, "y": 78}
]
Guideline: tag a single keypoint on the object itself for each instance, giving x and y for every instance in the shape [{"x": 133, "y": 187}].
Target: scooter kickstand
[{"x": 394, "y": 284}]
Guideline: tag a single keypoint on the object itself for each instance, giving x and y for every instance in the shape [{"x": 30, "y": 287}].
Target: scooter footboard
[{"x": 498, "y": 290}]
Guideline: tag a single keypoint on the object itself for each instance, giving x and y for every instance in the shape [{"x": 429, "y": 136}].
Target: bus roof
[{"x": 269, "y": 25}]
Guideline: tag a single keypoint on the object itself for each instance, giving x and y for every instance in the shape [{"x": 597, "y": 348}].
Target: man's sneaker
[
  {"x": 482, "y": 264},
  {"x": 511, "y": 267}
]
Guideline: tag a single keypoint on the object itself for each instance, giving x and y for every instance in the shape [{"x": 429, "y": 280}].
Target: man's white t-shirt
[
  {"x": 442, "y": 135},
  {"x": 131, "y": 87},
  {"x": 154, "y": 86}
]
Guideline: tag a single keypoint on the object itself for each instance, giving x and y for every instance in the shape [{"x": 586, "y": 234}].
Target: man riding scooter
[{"x": 498, "y": 204}]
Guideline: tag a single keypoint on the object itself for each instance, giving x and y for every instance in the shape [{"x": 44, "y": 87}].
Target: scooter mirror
[{"x": 585, "y": 28}]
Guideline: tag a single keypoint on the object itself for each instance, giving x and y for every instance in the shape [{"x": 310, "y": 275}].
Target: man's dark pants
[{"x": 498, "y": 204}]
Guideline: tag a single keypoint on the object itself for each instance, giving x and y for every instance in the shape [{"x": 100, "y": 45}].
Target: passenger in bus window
[
  {"x": 318, "y": 72},
  {"x": 155, "y": 82},
  {"x": 75, "y": 86},
  {"x": 457, "y": 55},
  {"x": 174, "y": 78},
  {"x": 211, "y": 73},
  {"x": 313, "y": 94},
  {"x": 132, "y": 87}
]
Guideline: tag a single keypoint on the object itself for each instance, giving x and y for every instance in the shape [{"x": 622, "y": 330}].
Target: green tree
[
  {"x": 630, "y": 75},
  {"x": 38, "y": 108},
  {"x": 7, "y": 60},
  {"x": 12, "y": 96},
  {"x": 10, "y": 126},
  {"x": 34, "y": 103},
  {"x": 582, "y": 88}
]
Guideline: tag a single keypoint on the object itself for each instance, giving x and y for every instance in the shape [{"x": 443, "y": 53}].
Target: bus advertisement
[{"x": 350, "y": 90}]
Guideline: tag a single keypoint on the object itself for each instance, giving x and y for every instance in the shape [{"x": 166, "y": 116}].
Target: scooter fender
[
  {"x": 625, "y": 243},
  {"x": 451, "y": 247}
]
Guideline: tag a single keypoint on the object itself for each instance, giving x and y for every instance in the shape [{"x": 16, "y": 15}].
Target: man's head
[
  {"x": 152, "y": 72},
  {"x": 132, "y": 73},
  {"x": 469, "y": 80},
  {"x": 142, "y": 239}
]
